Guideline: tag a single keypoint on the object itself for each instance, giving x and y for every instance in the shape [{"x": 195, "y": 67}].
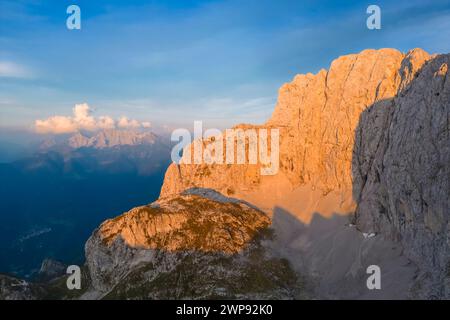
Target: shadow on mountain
[
  {"x": 333, "y": 257},
  {"x": 400, "y": 170}
]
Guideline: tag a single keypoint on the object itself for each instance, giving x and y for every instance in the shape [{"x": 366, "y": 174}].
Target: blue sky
[{"x": 173, "y": 62}]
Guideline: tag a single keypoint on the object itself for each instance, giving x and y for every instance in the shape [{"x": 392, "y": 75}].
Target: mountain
[{"x": 363, "y": 179}]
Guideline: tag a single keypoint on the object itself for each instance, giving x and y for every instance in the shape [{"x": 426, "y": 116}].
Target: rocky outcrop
[
  {"x": 16, "y": 289},
  {"x": 42, "y": 288},
  {"x": 51, "y": 269},
  {"x": 198, "y": 244}
]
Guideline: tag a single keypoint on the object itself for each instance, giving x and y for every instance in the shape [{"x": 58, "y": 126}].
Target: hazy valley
[{"x": 62, "y": 190}]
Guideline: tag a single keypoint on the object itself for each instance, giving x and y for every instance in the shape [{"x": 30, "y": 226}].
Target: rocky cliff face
[
  {"x": 371, "y": 134},
  {"x": 15, "y": 289},
  {"x": 401, "y": 169},
  {"x": 317, "y": 116}
]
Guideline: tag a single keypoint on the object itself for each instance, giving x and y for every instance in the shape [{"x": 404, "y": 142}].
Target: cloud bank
[
  {"x": 10, "y": 69},
  {"x": 83, "y": 120}
]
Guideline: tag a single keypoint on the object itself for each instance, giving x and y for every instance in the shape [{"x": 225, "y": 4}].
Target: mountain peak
[{"x": 111, "y": 138}]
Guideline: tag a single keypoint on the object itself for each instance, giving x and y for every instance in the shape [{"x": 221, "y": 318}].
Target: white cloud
[
  {"x": 13, "y": 70},
  {"x": 83, "y": 120},
  {"x": 126, "y": 123}
]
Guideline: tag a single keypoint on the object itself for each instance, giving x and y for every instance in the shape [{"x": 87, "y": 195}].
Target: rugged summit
[{"x": 198, "y": 244}]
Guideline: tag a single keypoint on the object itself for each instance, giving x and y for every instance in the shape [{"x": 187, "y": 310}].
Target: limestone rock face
[
  {"x": 317, "y": 116},
  {"x": 401, "y": 169},
  {"x": 199, "y": 244}
]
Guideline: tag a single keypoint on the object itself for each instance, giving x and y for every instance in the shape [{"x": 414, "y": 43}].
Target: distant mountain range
[
  {"x": 108, "y": 151},
  {"x": 104, "y": 139},
  {"x": 68, "y": 186}
]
